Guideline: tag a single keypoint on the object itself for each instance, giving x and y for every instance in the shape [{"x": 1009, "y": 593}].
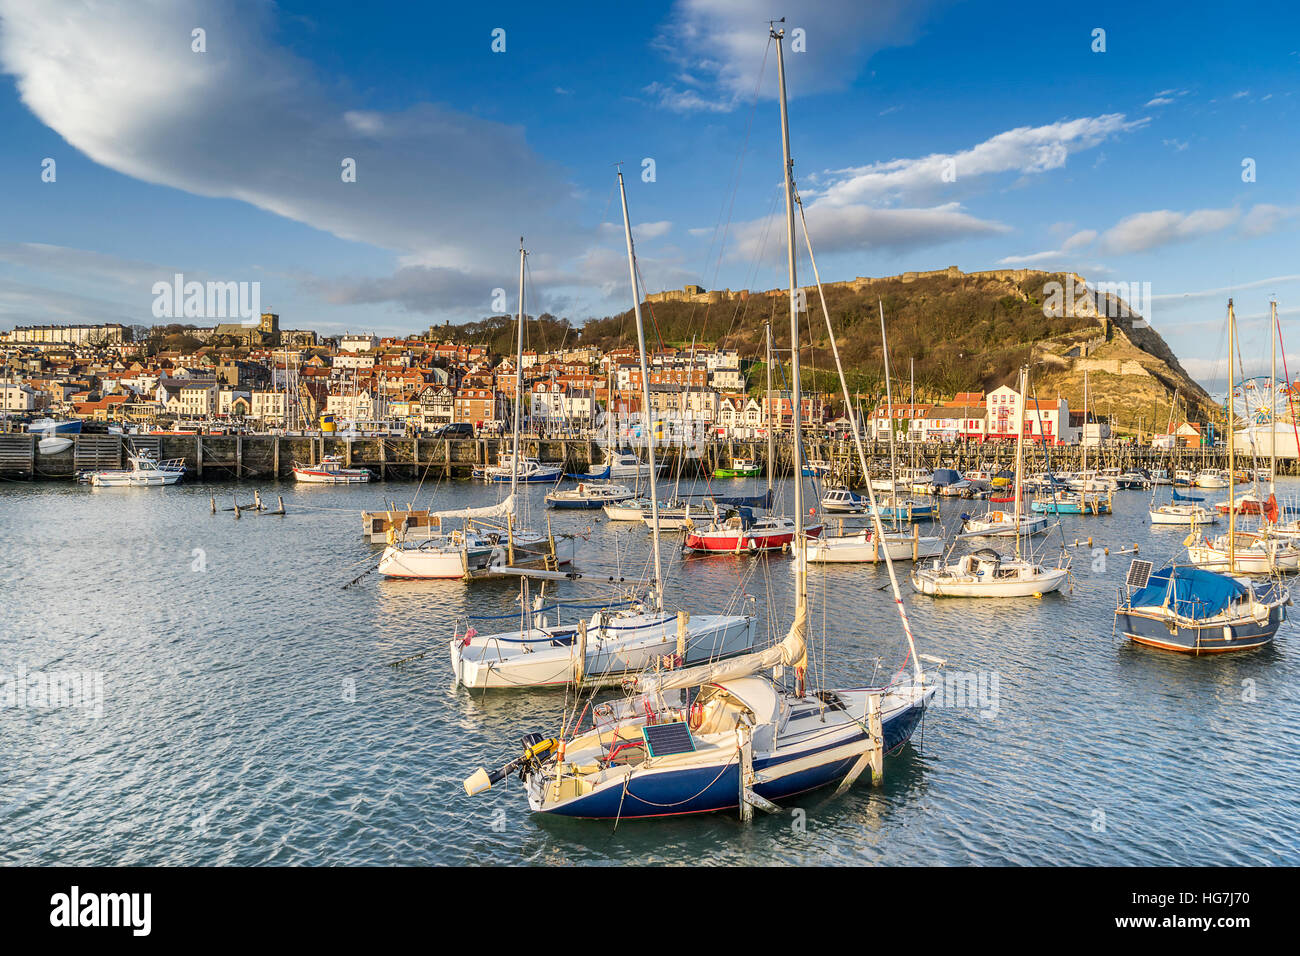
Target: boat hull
[
  {"x": 715, "y": 787},
  {"x": 751, "y": 541},
  {"x": 1153, "y": 630},
  {"x": 493, "y": 661}
]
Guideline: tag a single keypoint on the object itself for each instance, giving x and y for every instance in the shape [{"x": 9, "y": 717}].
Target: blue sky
[{"x": 1123, "y": 165}]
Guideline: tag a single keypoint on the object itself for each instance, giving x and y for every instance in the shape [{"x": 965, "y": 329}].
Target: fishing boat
[
  {"x": 55, "y": 426},
  {"x": 1213, "y": 478},
  {"x": 986, "y": 572},
  {"x": 726, "y": 735},
  {"x": 145, "y": 471},
  {"x": 615, "y": 643},
  {"x": 1195, "y": 611},
  {"x": 817, "y": 468},
  {"x": 330, "y": 471},
  {"x": 1072, "y": 503},
  {"x": 589, "y": 495},
  {"x": 843, "y": 501},
  {"x": 530, "y": 471},
  {"x": 739, "y": 468},
  {"x": 1184, "y": 478},
  {"x": 736, "y": 530}
]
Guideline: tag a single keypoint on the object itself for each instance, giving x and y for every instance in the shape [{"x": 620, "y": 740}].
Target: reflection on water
[{"x": 250, "y": 715}]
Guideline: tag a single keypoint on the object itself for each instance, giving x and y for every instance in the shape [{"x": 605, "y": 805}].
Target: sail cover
[
  {"x": 506, "y": 507},
  {"x": 752, "y": 501},
  {"x": 791, "y": 652},
  {"x": 589, "y": 476},
  {"x": 1196, "y": 593},
  {"x": 945, "y": 476},
  {"x": 1178, "y": 497}
]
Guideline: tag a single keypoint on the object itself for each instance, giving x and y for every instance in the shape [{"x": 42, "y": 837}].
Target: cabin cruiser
[
  {"x": 330, "y": 471},
  {"x": 531, "y": 471},
  {"x": 145, "y": 471}
]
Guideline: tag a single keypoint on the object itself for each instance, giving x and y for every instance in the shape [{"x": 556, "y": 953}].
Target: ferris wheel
[{"x": 1261, "y": 401}]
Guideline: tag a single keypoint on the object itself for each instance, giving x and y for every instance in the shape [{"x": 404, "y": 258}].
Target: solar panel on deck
[
  {"x": 1138, "y": 573},
  {"x": 664, "y": 739}
]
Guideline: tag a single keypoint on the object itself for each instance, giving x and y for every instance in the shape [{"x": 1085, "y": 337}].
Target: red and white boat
[
  {"x": 739, "y": 531},
  {"x": 330, "y": 471}
]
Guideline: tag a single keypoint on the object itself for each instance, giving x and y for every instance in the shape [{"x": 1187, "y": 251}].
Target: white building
[{"x": 1047, "y": 421}]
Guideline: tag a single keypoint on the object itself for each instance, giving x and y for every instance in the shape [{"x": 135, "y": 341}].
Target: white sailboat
[
  {"x": 746, "y": 739},
  {"x": 986, "y": 572},
  {"x": 615, "y": 643},
  {"x": 1240, "y": 552}
]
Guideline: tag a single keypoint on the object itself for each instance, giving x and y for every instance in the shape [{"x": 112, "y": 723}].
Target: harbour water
[{"x": 249, "y": 715}]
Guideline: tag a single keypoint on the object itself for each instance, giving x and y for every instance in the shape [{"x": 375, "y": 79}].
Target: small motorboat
[
  {"x": 843, "y": 501},
  {"x": 330, "y": 471},
  {"x": 531, "y": 471},
  {"x": 986, "y": 573},
  {"x": 145, "y": 472},
  {"x": 739, "y": 468}
]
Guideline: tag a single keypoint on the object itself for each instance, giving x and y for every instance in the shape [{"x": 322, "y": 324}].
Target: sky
[{"x": 1153, "y": 145}]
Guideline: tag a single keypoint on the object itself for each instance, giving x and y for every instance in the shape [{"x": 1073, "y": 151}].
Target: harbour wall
[{"x": 237, "y": 457}]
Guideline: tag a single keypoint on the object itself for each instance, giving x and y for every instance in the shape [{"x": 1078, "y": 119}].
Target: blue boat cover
[
  {"x": 1197, "y": 593},
  {"x": 753, "y": 501},
  {"x": 945, "y": 476},
  {"x": 1178, "y": 497}
]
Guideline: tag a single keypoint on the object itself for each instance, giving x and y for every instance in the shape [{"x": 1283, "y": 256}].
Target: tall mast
[
  {"x": 796, "y": 390},
  {"x": 645, "y": 399},
  {"x": 1272, "y": 398},
  {"x": 1232, "y": 461},
  {"x": 1085, "y": 421},
  {"x": 771, "y": 435},
  {"x": 1020, "y": 445},
  {"x": 519, "y": 374},
  {"x": 889, "y": 411}
]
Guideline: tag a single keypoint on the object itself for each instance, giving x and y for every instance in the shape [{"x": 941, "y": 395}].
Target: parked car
[{"x": 455, "y": 430}]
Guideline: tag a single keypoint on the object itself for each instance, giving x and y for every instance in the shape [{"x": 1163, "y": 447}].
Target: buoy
[{"x": 1038, "y": 594}]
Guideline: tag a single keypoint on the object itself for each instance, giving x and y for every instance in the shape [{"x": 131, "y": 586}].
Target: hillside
[{"x": 955, "y": 331}]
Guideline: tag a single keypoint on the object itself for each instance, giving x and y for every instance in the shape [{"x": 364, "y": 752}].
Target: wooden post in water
[
  {"x": 239, "y": 456},
  {"x": 198, "y": 454},
  {"x": 275, "y": 457}
]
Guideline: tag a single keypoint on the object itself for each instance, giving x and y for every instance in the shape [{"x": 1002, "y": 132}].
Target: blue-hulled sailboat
[{"x": 1196, "y": 611}]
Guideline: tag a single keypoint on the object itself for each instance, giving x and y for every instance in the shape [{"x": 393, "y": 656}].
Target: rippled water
[{"x": 249, "y": 715}]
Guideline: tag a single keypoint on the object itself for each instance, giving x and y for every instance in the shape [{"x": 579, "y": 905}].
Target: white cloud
[
  {"x": 1026, "y": 150},
  {"x": 722, "y": 43},
  {"x": 1158, "y": 101},
  {"x": 1147, "y": 230},
  {"x": 250, "y": 121},
  {"x": 1265, "y": 218},
  {"x": 837, "y": 228}
]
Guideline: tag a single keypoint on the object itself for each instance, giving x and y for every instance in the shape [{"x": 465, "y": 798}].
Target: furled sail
[
  {"x": 791, "y": 652},
  {"x": 501, "y": 510}
]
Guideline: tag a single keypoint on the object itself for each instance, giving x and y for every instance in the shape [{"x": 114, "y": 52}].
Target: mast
[
  {"x": 519, "y": 374},
  {"x": 796, "y": 393},
  {"x": 1085, "y": 421},
  {"x": 1272, "y": 416},
  {"x": 771, "y": 435},
  {"x": 1020, "y": 445},
  {"x": 855, "y": 422},
  {"x": 1232, "y": 461},
  {"x": 645, "y": 399},
  {"x": 889, "y": 406}
]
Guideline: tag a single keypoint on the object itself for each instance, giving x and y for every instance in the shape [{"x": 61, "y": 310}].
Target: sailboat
[
  {"x": 470, "y": 552},
  {"x": 615, "y": 643},
  {"x": 986, "y": 572},
  {"x": 867, "y": 546},
  {"x": 727, "y": 735},
  {"x": 1180, "y": 509},
  {"x": 1240, "y": 552},
  {"x": 735, "y": 528}
]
